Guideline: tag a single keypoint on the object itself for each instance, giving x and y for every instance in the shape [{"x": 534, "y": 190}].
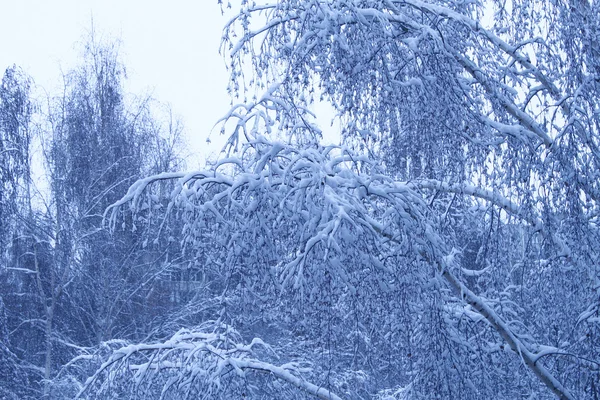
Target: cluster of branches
[
  {"x": 447, "y": 250},
  {"x": 218, "y": 365},
  {"x": 450, "y": 250},
  {"x": 319, "y": 230},
  {"x": 66, "y": 284}
]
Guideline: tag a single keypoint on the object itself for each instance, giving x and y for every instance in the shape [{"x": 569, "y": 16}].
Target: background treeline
[{"x": 67, "y": 285}]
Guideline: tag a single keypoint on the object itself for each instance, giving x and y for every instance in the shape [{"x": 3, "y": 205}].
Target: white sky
[{"x": 170, "y": 49}]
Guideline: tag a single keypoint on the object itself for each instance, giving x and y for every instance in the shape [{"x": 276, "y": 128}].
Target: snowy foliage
[
  {"x": 359, "y": 261},
  {"x": 206, "y": 363},
  {"x": 66, "y": 284},
  {"x": 450, "y": 250}
]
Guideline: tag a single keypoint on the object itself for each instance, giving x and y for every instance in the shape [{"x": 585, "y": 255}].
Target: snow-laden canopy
[{"x": 450, "y": 248}]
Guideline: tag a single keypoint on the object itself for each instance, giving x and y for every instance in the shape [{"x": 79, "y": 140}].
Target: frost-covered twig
[{"x": 193, "y": 359}]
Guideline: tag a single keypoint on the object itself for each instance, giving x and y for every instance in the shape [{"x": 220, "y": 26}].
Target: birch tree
[
  {"x": 449, "y": 248},
  {"x": 66, "y": 285}
]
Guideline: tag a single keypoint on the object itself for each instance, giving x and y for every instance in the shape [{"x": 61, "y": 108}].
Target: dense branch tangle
[
  {"x": 462, "y": 250},
  {"x": 460, "y": 106},
  {"x": 317, "y": 38},
  {"x": 194, "y": 363},
  {"x": 418, "y": 80},
  {"x": 312, "y": 209}
]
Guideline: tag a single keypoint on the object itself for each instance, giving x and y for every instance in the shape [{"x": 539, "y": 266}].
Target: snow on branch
[
  {"x": 313, "y": 27},
  {"x": 207, "y": 362},
  {"x": 517, "y": 345},
  {"x": 484, "y": 194},
  {"x": 317, "y": 206}
]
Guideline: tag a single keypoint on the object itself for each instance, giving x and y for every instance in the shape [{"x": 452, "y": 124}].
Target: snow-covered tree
[
  {"x": 450, "y": 248},
  {"x": 66, "y": 284},
  {"x": 15, "y": 139}
]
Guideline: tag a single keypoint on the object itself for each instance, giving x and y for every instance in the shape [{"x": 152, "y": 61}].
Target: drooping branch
[
  {"x": 480, "y": 193},
  {"x": 476, "y": 27},
  {"x": 529, "y": 358},
  {"x": 189, "y": 355},
  {"x": 500, "y": 326},
  {"x": 391, "y": 211}
]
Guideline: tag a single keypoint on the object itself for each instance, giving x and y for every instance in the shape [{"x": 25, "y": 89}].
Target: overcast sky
[{"x": 170, "y": 49}]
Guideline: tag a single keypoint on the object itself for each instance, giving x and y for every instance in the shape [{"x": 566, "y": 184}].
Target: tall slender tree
[
  {"x": 16, "y": 135},
  {"x": 15, "y": 142},
  {"x": 68, "y": 284}
]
